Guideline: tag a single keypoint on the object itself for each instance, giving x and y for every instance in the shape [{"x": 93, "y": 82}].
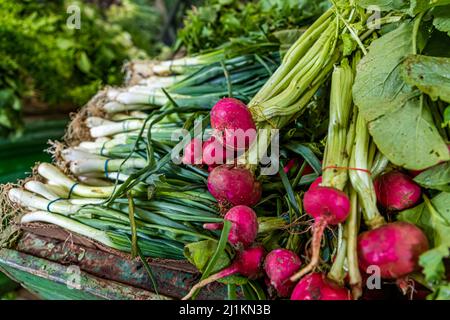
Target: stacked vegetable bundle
[{"x": 386, "y": 149}]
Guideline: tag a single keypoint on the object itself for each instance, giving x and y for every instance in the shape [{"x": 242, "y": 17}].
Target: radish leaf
[
  {"x": 399, "y": 120},
  {"x": 430, "y": 74}
]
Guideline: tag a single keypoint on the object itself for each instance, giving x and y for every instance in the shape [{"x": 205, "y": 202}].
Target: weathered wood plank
[
  {"x": 173, "y": 278},
  {"x": 51, "y": 280}
]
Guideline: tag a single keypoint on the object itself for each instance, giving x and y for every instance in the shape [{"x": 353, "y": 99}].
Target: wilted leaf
[{"x": 430, "y": 74}]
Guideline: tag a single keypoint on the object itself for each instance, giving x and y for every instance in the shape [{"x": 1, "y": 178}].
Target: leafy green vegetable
[
  {"x": 433, "y": 217},
  {"x": 217, "y": 21},
  {"x": 437, "y": 177},
  {"x": 430, "y": 74},
  {"x": 442, "y": 19},
  {"x": 411, "y": 7},
  {"x": 200, "y": 253},
  {"x": 399, "y": 119},
  {"x": 44, "y": 62}
]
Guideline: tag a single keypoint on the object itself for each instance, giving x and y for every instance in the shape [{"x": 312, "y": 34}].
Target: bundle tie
[
  {"x": 106, "y": 167},
  {"x": 52, "y": 202},
  {"x": 59, "y": 199},
  {"x": 71, "y": 190}
]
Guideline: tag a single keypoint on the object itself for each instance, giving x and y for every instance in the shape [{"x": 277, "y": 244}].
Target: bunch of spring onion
[
  {"x": 196, "y": 84},
  {"x": 170, "y": 203}
]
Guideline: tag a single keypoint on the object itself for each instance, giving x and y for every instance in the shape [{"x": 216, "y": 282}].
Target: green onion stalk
[
  {"x": 341, "y": 133},
  {"x": 305, "y": 68},
  {"x": 361, "y": 179},
  {"x": 240, "y": 77}
]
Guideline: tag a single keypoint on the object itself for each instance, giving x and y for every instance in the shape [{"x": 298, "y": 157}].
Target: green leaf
[
  {"x": 442, "y": 19},
  {"x": 349, "y": 44},
  {"x": 399, "y": 121},
  {"x": 433, "y": 217},
  {"x": 430, "y": 74},
  {"x": 441, "y": 293},
  {"x": 385, "y": 5},
  {"x": 434, "y": 268},
  {"x": 437, "y": 177},
  {"x": 83, "y": 62},
  {"x": 209, "y": 258},
  {"x": 412, "y": 7},
  {"x": 200, "y": 253},
  {"x": 446, "y": 122}
]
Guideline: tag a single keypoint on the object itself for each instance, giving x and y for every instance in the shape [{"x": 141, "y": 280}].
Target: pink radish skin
[
  {"x": 214, "y": 153},
  {"x": 327, "y": 206},
  {"x": 193, "y": 152},
  {"x": 247, "y": 263},
  {"x": 229, "y": 115},
  {"x": 396, "y": 191},
  {"x": 395, "y": 248},
  {"x": 234, "y": 185},
  {"x": 316, "y": 183},
  {"x": 291, "y": 163},
  {"x": 244, "y": 226},
  {"x": 316, "y": 286},
  {"x": 280, "y": 265}
]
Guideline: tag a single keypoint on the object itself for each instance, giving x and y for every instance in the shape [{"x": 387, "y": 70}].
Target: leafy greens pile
[{"x": 46, "y": 63}]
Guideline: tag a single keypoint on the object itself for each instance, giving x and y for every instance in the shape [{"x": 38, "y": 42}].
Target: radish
[
  {"x": 291, "y": 163},
  {"x": 193, "y": 152},
  {"x": 244, "y": 226},
  {"x": 231, "y": 119},
  {"x": 316, "y": 183},
  {"x": 316, "y": 286},
  {"x": 247, "y": 263},
  {"x": 214, "y": 153},
  {"x": 280, "y": 265},
  {"x": 395, "y": 248},
  {"x": 234, "y": 185},
  {"x": 327, "y": 206},
  {"x": 396, "y": 191}
]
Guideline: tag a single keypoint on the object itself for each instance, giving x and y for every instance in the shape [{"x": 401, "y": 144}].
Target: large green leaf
[
  {"x": 398, "y": 119},
  {"x": 437, "y": 177},
  {"x": 430, "y": 74},
  {"x": 433, "y": 217},
  {"x": 442, "y": 19}
]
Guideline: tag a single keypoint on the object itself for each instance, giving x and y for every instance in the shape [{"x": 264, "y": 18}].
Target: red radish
[
  {"x": 234, "y": 185},
  {"x": 316, "y": 286},
  {"x": 396, "y": 191},
  {"x": 244, "y": 226},
  {"x": 327, "y": 206},
  {"x": 291, "y": 163},
  {"x": 247, "y": 263},
  {"x": 280, "y": 265},
  {"x": 193, "y": 152},
  {"x": 231, "y": 118},
  {"x": 215, "y": 154},
  {"x": 316, "y": 183},
  {"x": 394, "y": 247}
]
